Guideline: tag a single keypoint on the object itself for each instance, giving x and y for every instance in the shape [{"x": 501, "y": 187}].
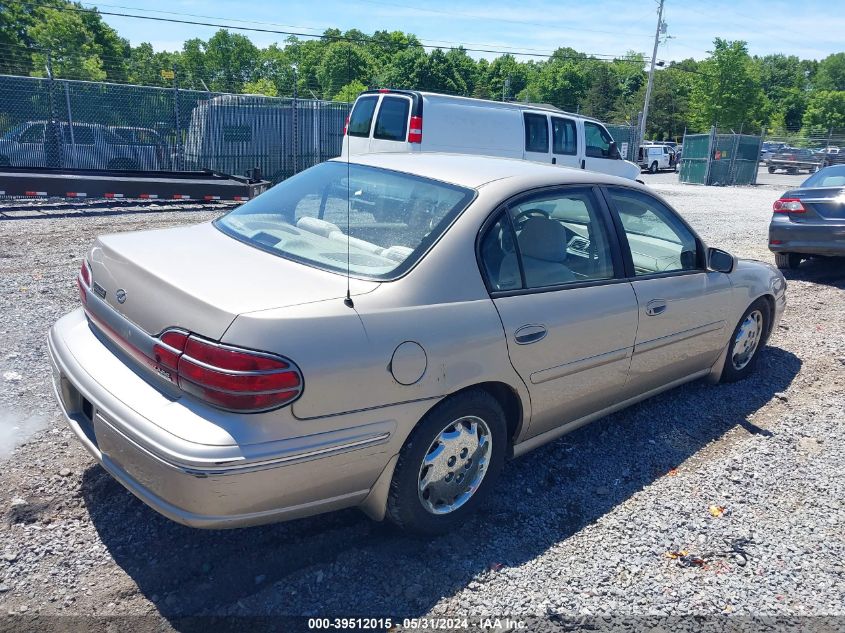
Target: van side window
[
  {"x": 392, "y": 120},
  {"x": 564, "y": 139},
  {"x": 362, "y": 116},
  {"x": 598, "y": 140},
  {"x": 536, "y": 133}
]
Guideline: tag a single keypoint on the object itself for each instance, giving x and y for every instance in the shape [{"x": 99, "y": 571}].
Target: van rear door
[
  {"x": 359, "y": 127},
  {"x": 390, "y": 131},
  {"x": 536, "y": 137}
]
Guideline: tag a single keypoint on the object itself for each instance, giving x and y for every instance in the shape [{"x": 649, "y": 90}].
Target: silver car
[{"x": 385, "y": 334}]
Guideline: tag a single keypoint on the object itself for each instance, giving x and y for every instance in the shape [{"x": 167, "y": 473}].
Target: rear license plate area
[{"x": 79, "y": 408}]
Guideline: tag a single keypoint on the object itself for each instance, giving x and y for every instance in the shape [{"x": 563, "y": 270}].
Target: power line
[{"x": 342, "y": 38}]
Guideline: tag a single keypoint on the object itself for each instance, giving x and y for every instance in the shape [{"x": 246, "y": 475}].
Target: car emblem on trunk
[{"x": 120, "y": 295}]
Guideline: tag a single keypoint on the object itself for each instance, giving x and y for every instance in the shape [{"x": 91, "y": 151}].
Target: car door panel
[
  {"x": 681, "y": 305},
  {"x": 685, "y": 337},
  {"x": 555, "y": 271},
  {"x": 581, "y": 364}
]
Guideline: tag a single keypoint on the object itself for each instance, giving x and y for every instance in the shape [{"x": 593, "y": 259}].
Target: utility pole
[{"x": 660, "y": 27}]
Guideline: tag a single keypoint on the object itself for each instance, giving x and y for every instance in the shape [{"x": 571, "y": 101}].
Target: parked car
[
  {"x": 655, "y": 157},
  {"x": 832, "y": 155},
  {"x": 75, "y": 146},
  {"x": 768, "y": 149},
  {"x": 145, "y": 137},
  {"x": 810, "y": 220},
  {"x": 385, "y": 332},
  {"x": 793, "y": 159},
  {"x": 392, "y": 121}
]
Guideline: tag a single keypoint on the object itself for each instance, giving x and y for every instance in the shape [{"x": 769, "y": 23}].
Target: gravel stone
[{"x": 561, "y": 551}]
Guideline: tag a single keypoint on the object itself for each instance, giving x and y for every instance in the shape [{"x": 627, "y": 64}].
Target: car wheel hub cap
[
  {"x": 454, "y": 465},
  {"x": 747, "y": 340}
]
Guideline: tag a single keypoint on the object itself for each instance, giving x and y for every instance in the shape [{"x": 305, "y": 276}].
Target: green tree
[
  {"x": 73, "y": 51},
  {"x": 561, "y": 81},
  {"x": 350, "y": 91},
  {"x": 231, "y": 60},
  {"x": 727, "y": 91},
  {"x": 342, "y": 63},
  {"x": 261, "y": 86},
  {"x": 825, "y": 110},
  {"x": 831, "y": 73},
  {"x": 507, "y": 77}
]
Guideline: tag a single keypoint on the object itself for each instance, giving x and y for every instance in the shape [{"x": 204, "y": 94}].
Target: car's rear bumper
[
  {"x": 211, "y": 486},
  {"x": 807, "y": 239}
]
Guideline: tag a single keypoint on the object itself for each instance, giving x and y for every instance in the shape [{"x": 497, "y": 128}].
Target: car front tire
[
  {"x": 747, "y": 340},
  {"x": 449, "y": 464},
  {"x": 788, "y": 261}
]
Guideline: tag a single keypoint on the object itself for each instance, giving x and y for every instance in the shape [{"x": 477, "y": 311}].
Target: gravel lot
[{"x": 579, "y": 528}]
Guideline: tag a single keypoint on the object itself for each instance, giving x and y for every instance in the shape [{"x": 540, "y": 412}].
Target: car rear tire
[
  {"x": 771, "y": 169},
  {"x": 788, "y": 261},
  {"x": 449, "y": 464},
  {"x": 747, "y": 339},
  {"x": 653, "y": 168}
]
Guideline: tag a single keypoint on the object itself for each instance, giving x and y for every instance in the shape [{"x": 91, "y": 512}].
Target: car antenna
[{"x": 348, "y": 300}]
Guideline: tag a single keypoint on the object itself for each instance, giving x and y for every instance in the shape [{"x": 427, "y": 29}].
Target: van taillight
[
  {"x": 346, "y": 125},
  {"x": 228, "y": 377},
  {"x": 415, "y": 130}
]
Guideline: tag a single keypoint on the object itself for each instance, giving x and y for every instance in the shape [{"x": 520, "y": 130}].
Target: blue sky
[{"x": 809, "y": 29}]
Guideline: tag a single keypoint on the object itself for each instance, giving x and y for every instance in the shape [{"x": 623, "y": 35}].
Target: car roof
[{"x": 475, "y": 171}]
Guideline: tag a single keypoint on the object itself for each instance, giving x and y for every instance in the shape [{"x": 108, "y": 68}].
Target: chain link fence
[
  {"x": 89, "y": 125},
  {"x": 720, "y": 159}
]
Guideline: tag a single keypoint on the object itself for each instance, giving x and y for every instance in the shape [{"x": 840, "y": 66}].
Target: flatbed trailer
[{"x": 28, "y": 182}]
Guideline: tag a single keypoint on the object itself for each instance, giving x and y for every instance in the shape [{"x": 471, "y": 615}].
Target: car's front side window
[{"x": 659, "y": 241}]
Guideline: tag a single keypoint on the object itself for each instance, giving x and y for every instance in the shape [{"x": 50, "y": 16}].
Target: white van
[
  {"x": 655, "y": 157},
  {"x": 388, "y": 120}
]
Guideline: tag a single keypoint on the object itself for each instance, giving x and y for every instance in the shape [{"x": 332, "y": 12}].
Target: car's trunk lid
[
  {"x": 826, "y": 203},
  {"x": 199, "y": 279}
]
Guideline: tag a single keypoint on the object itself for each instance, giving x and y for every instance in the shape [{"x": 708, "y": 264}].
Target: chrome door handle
[
  {"x": 655, "y": 307},
  {"x": 530, "y": 334}
]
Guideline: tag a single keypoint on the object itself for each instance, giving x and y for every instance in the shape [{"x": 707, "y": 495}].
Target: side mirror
[
  {"x": 613, "y": 151},
  {"x": 720, "y": 261}
]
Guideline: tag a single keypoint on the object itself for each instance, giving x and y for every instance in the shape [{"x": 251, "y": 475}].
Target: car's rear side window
[
  {"x": 392, "y": 120},
  {"x": 362, "y": 116},
  {"x": 536, "y": 133}
]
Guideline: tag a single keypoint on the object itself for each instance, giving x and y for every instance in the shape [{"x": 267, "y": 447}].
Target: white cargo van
[
  {"x": 408, "y": 121},
  {"x": 655, "y": 157}
]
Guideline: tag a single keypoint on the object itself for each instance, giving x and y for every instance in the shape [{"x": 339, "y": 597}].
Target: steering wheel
[{"x": 523, "y": 216}]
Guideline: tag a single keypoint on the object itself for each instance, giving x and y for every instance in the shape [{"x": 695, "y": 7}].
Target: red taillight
[
  {"x": 167, "y": 352},
  {"x": 84, "y": 281},
  {"x": 346, "y": 125},
  {"x": 788, "y": 205},
  {"x": 236, "y": 379},
  {"x": 85, "y": 273},
  {"x": 415, "y": 130}
]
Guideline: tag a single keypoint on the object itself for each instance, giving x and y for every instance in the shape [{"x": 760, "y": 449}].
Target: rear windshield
[
  {"x": 362, "y": 116},
  {"x": 393, "y": 218},
  {"x": 392, "y": 119},
  {"x": 827, "y": 177}
]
